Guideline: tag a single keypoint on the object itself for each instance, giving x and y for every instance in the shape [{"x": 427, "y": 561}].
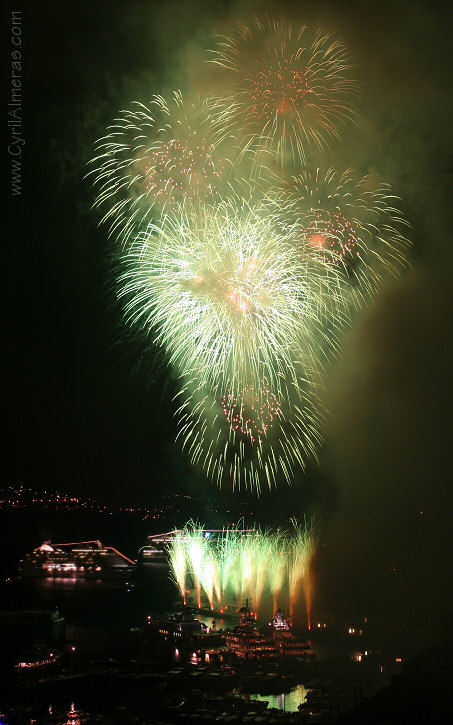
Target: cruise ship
[{"x": 85, "y": 559}]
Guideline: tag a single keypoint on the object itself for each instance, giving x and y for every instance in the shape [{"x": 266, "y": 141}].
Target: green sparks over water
[{"x": 236, "y": 564}]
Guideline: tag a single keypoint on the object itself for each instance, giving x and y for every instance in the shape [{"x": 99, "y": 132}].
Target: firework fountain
[
  {"x": 299, "y": 566},
  {"x": 239, "y": 565},
  {"x": 178, "y": 566}
]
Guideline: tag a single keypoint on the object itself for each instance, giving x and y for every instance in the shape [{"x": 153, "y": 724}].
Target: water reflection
[{"x": 287, "y": 701}]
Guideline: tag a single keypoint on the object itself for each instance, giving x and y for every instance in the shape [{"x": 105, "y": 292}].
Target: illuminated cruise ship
[{"x": 87, "y": 559}]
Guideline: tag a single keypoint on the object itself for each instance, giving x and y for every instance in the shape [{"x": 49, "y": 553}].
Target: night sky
[{"x": 87, "y": 409}]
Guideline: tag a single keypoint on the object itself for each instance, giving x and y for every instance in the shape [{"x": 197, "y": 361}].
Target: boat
[
  {"x": 85, "y": 559},
  {"x": 246, "y": 641},
  {"x": 287, "y": 642},
  {"x": 184, "y": 631}
]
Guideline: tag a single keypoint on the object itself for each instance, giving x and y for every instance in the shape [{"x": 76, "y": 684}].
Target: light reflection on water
[{"x": 287, "y": 701}]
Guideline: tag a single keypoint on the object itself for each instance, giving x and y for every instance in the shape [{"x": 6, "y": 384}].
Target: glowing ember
[
  {"x": 181, "y": 169},
  {"x": 249, "y": 413},
  {"x": 333, "y": 235},
  {"x": 278, "y": 90}
]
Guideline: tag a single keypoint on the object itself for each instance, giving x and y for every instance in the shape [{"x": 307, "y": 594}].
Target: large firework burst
[
  {"x": 245, "y": 280},
  {"x": 351, "y": 223},
  {"x": 155, "y": 157},
  {"x": 288, "y": 87},
  {"x": 254, "y": 439},
  {"x": 228, "y": 296},
  {"x": 248, "y": 324}
]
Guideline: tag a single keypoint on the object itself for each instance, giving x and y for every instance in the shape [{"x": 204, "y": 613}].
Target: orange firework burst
[
  {"x": 332, "y": 235},
  {"x": 249, "y": 412},
  {"x": 180, "y": 169},
  {"x": 278, "y": 90},
  {"x": 289, "y": 87}
]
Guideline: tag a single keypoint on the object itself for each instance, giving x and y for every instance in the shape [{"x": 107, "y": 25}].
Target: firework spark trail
[
  {"x": 227, "y": 296},
  {"x": 289, "y": 88},
  {"x": 351, "y": 223},
  {"x": 157, "y": 157},
  {"x": 303, "y": 545},
  {"x": 178, "y": 563},
  {"x": 245, "y": 566}
]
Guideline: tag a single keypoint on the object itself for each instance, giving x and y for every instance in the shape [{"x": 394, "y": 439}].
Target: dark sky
[{"x": 85, "y": 408}]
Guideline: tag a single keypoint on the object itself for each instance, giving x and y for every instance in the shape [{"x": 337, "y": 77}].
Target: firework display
[
  {"x": 289, "y": 87},
  {"x": 241, "y": 260},
  {"x": 351, "y": 223},
  {"x": 229, "y": 297},
  {"x": 249, "y": 411},
  {"x": 257, "y": 453},
  {"x": 155, "y": 157},
  {"x": 237, "y": 564}
]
